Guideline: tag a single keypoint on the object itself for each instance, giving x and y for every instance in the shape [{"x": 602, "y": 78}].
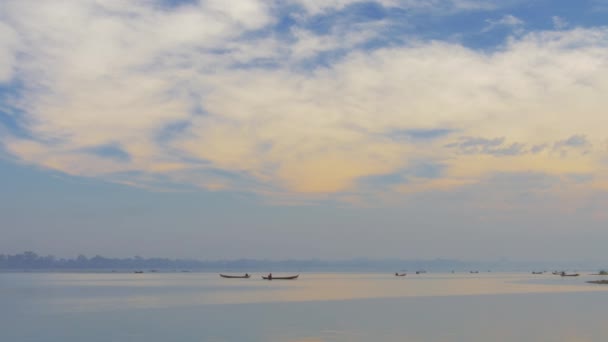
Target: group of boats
[
  {"x": 397, "y": 274},
  {"x": 559, "y": 273},
  {"x": 267, "y": 277}
]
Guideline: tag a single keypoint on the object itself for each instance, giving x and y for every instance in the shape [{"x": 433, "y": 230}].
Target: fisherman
[
  {"x": 269, "y": 276},
  {"x": 246, "y": 275}
]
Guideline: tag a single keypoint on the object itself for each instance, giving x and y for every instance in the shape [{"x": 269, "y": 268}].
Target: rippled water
[{"x": 317, "y": 307}]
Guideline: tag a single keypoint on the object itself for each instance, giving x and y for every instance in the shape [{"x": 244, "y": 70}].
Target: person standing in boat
[{"x": 269, "y": 276}]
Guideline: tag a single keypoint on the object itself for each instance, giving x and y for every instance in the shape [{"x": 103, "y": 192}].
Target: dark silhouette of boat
[
  {"x": 473, "y": 272},
  {"x": 246, "y": 276},
  {"x": 564, "y": 274},
  {"x": 400, "y": 274},
  {"x": 537, "y": 272},
  {"x": 271, "y": 277},
  {"x": 138, "y": 272}
]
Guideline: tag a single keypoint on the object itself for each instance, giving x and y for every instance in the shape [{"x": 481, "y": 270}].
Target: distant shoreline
[{"x": 30, "y": 261}]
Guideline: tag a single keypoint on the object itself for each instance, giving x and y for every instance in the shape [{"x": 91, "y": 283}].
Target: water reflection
[
  {"x": 110, "y": 292},
  {"x": 315, "y": 308}
]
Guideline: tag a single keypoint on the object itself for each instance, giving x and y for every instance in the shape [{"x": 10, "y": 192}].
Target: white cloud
[
  {"x": 315, "y": 7},
  {"x": 8, "y": 46},
  {"x": 308, "y": 44},
  {"x": 506, "y": 21},
  {"x": 180, "y": 91},
  {"x": 250, "y": 14},
  {"x": 559, "y": 23}
]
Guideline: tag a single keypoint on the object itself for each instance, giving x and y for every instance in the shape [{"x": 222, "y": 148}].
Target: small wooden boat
[
  {"x": 138, "y": 272},
  {"x": 280, "y": 278},
  {"x": 569, "y": 275},
  {"x": 537, "y": 272},
  {"x": 246, "y": 276},
  {"x": 400, "y": 274}
]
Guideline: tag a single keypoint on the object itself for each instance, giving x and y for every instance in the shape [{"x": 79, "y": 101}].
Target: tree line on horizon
[{"x": 31, "y": 261}]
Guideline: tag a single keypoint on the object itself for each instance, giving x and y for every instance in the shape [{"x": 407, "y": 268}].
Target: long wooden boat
[
  {"x": 569, "y": 275},
  {"x": 400, "y": 274},
  {"x": 233, "y": 276},
  {"x": 280, "y": 278}
]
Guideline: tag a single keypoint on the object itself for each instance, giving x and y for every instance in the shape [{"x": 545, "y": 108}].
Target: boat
[
  {"x": 271, "y": 277},
  {"x": 246, "y": 276},
  {"x": 138, "y": 272},
  {"x": 400, "y": 274},
  {"x": 537, "y": 272},
  {"x": 569, "y": 275}
]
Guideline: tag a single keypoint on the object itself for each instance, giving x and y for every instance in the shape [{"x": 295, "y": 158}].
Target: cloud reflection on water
[{"x": 91, "y": 293}]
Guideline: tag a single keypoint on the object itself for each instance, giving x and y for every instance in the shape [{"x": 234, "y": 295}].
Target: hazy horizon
[{"x": 298, "y": 129}]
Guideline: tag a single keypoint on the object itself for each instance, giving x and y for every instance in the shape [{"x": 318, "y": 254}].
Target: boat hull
[
  {"x": 281, "y": 278},
  {"x": 235, "y": 277}
]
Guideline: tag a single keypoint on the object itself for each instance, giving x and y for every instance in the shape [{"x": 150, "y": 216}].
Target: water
[{"x": 53, "y": 307}]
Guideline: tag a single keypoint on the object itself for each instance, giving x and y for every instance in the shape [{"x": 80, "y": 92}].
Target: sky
[{"x": 304, "y": 128}]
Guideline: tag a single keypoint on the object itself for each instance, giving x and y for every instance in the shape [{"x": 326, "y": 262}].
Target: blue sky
[{"x": 304, "y": 128}]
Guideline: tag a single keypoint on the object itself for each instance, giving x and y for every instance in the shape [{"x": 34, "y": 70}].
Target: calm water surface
[{"x": 155, "y": 307}]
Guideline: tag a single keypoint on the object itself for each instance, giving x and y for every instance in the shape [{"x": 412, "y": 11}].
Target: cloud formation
[
  {"x": 8, "y": 42},
  {"x": 224, "y": 97},
  {"x": 508, "y": 20}
]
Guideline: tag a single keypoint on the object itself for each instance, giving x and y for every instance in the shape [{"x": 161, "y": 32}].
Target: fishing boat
[
  {"x": 569, "y": 275},
  {"x": 235, "y": 276},
  {"x": 537, "y": 272},
  {"x": 271, "y": 277},
  {"x": 400, "y": 274}
]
